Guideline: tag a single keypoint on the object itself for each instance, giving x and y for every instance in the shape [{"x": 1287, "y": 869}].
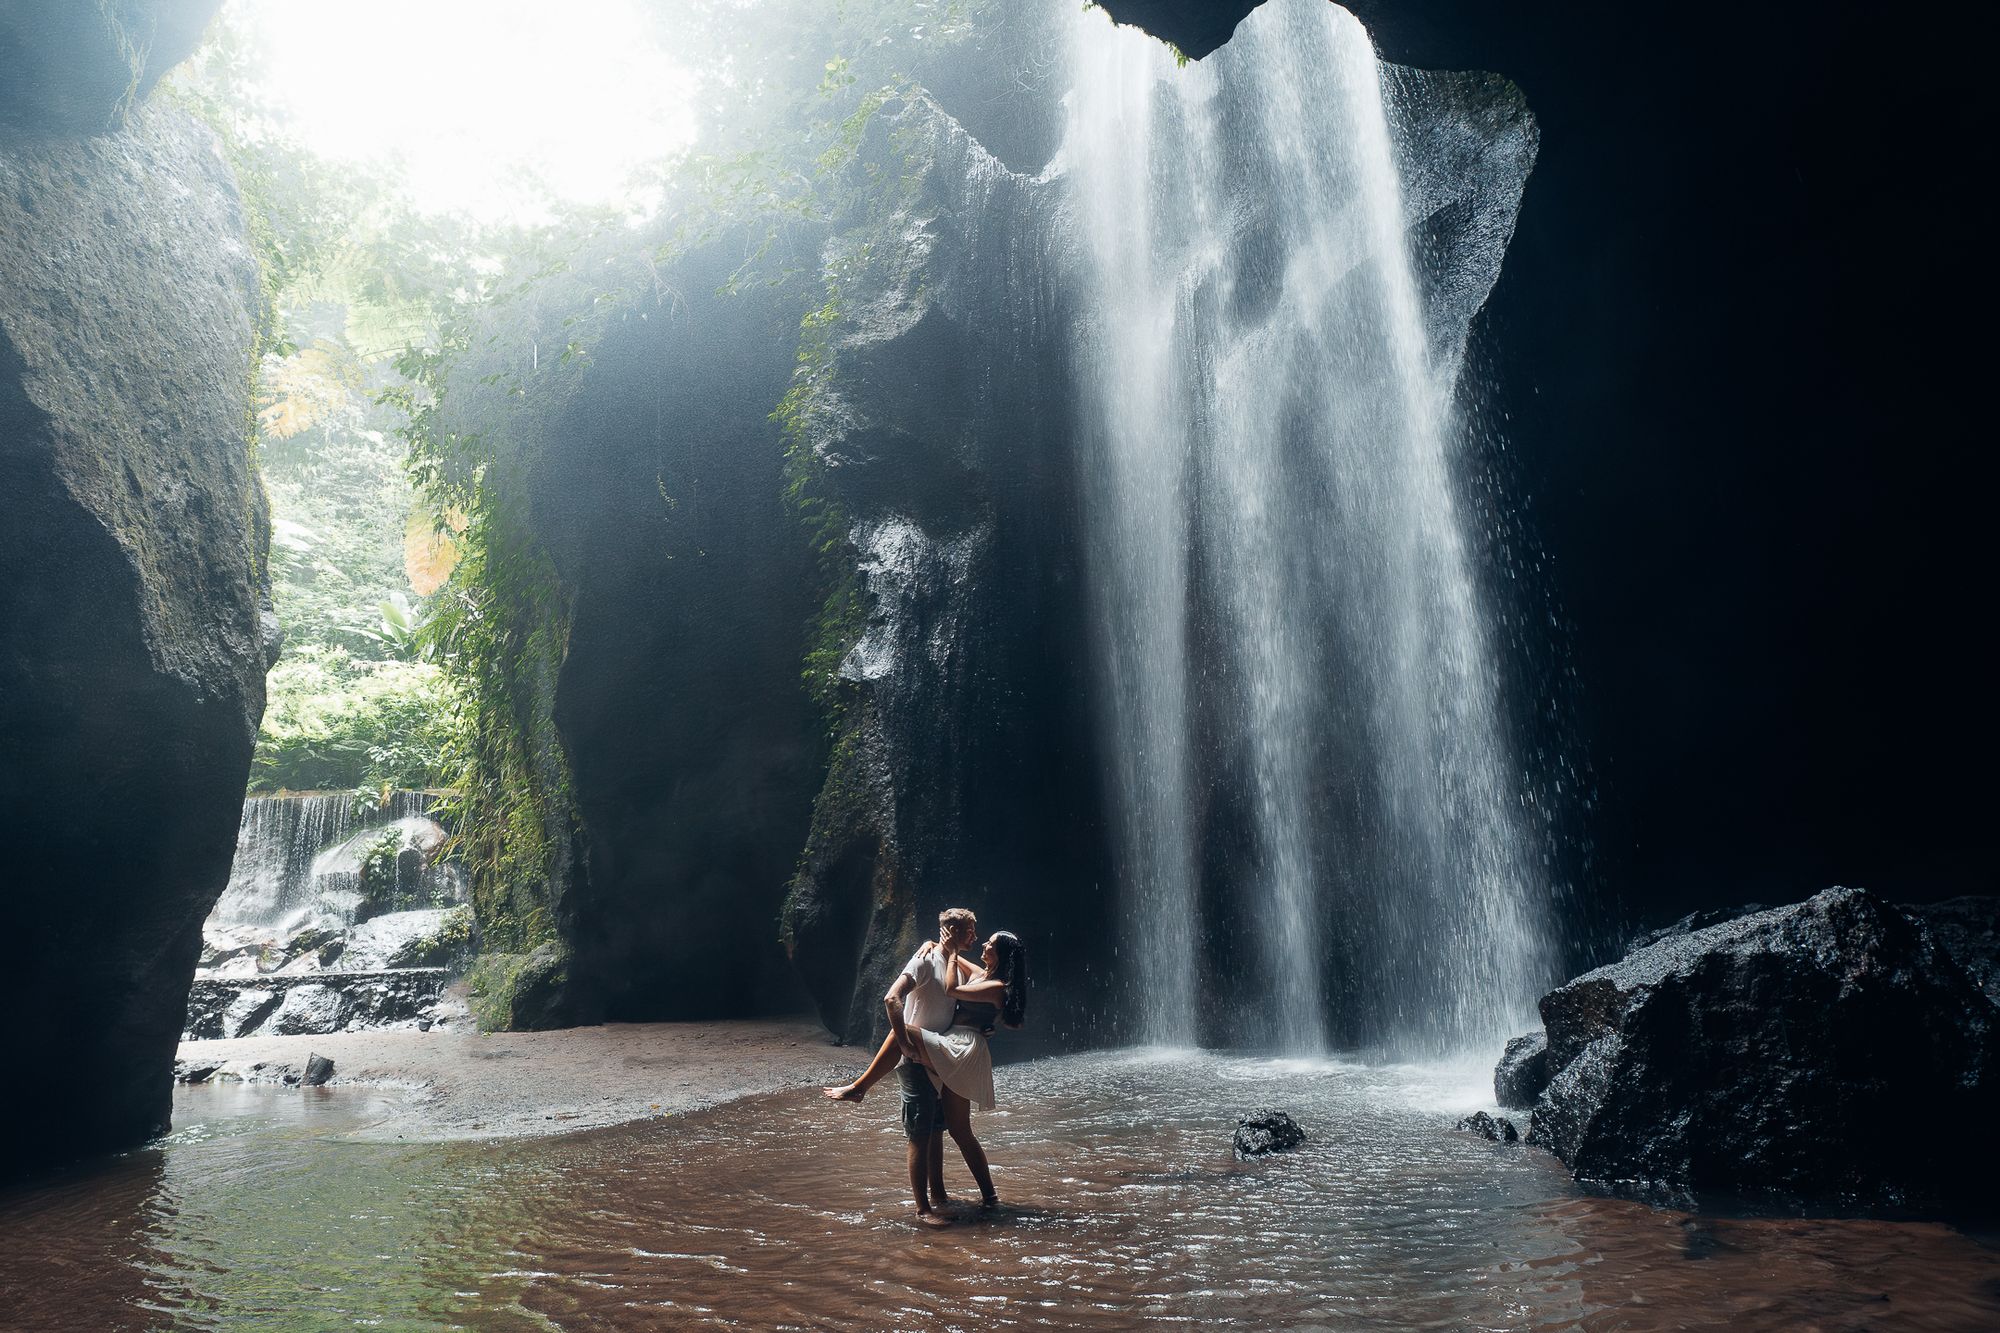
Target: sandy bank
[{"x": 462, "y": 1085}]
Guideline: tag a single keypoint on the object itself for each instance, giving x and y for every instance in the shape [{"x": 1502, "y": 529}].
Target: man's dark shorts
[{"x": 923, "y": 1115}]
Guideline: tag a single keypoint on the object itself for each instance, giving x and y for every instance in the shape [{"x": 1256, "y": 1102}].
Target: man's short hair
[{"x": 956, "y": 917}]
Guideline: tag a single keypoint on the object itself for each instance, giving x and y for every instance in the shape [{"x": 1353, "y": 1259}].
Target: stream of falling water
[{"x": 1288, "y": 611}]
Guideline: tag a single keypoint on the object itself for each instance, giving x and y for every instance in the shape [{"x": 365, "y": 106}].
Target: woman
[{"x": 959, "y": 1057}]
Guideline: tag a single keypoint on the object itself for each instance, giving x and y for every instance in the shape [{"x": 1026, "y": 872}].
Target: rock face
[
  {"x": 1969, "y": 930},
  {"x": 76, "y": 69},
  {"x": 131, "y": 663},
  {"x": 962, "y": 772},
  {"x": 1828, "y": 1050},
  {"x": 693, "y": 746},
  {"x": 1523, "y": 1071}
]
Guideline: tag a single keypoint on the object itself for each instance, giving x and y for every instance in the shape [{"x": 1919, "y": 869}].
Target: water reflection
[{"x": 1123, "y": 1204}]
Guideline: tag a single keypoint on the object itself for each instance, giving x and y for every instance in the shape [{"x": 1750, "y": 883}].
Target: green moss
[
  {"x": 447, "y": 946},
  {"x": 514, "y": 992}
]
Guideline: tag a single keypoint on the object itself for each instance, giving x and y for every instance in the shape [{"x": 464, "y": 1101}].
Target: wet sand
[{"x": 459, "y": 1084}]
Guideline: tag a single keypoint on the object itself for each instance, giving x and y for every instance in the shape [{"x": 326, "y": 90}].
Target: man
[{"x": 920, "y": 998}]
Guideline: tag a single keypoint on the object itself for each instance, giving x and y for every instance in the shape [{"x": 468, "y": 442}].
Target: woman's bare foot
[
  {"x": 990, "y": 1202},
  {"x": 927, "y": 1218},
  {"x": 851, "y": 1092}
]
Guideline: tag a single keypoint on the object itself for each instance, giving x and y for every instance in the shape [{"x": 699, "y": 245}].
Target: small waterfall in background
[
  {"x": 340, "y": 915},
  {"x": 1300, "y": 697},
  {"x": 300, "y": 855}
]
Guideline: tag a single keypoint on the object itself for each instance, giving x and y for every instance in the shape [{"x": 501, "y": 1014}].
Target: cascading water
[
  {"x": 300, "y": 855},
  {"x": 1289, "y": 612}
]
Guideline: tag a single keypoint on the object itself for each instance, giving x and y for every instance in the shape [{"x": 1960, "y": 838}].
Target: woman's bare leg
[
  {"x": 884, "y": 1061},
  {"x": 958, "y": 1124}
]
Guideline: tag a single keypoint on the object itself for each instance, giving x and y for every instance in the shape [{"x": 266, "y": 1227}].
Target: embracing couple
[{"x": 942, "y": 1009}]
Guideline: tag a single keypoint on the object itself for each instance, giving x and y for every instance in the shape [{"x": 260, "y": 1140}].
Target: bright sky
[{"x": 472, "y": 93}]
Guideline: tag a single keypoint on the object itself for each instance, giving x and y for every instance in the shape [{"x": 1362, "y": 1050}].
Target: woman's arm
[
  {"x": 986, "y": 990},
  {"x": 968, "y": 971}
]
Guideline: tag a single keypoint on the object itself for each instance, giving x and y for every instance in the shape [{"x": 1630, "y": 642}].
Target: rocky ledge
[
  {"x": 321, "y": 1002},
  {"x": 1832, "y": 1051}
]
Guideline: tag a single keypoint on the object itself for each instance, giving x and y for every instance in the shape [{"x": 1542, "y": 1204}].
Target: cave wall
[
  {"x": 76, "y": 68},
  {"x": 964, "y": 772},
  {"x": 694, "y": 747},
  {"x": 132, "y": 649}
]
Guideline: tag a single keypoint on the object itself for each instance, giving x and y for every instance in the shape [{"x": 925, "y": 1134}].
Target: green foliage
[
  {"x": 378, "y": 865},
  {"x": 336, "y": 722},
  {"x": 499, "y": 629}
]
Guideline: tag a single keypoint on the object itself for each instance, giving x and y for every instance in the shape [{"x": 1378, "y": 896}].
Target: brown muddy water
[{"x": 1124, "y": 1208}]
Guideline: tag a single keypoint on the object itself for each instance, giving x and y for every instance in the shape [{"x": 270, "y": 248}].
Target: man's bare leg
[
  {"x": 958, "y": 1123},
  {"x": 921, "y": 1155},
  {"x": 878, "y": 1068},
  {"x": 935, "y": 1170}
]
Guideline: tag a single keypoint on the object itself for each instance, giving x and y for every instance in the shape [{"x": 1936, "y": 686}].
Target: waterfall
[
  {"x": 1300, "y": 701},
  {"x": 300, "y": 853}
]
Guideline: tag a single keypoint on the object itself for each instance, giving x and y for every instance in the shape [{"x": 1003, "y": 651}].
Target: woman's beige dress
[{"x": 960, "y": 1060}]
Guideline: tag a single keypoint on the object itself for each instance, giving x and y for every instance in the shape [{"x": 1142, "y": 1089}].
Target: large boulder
[
  {"x": 132, "y": 532},
  {"x": 1829, "y": 1050}
]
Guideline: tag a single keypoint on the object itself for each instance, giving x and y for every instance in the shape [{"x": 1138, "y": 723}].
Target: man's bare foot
[
  {"x": 940, "y": 1202},
  {"x": 847, "y": 1093},
  {"x": 927, "y": 1218}
]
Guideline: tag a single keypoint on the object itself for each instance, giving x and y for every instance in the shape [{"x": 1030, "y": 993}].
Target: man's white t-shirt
[{"x": 928, "y": 1003}]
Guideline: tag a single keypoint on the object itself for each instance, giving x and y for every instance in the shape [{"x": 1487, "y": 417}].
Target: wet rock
[
  {"x": 222, "y": 1009},
  {"x": 1266, "y": 1131},
  {"x": 1829, "y": 1050},
  {"x": 393, "y": 867},
  {"x": 1497, "y": 1128},
  {"x": 425, "y": 937},
  {"x": 1523, "y": 1071},
  {"x": 195, "y": 1071},
  {"x": 520, "y": 992},
  {"x": 1693, "y": 921},
  {"x": 311, "y": 1008},
  {"x": 131, "y": 533},
  {"x": 318, "y": 1070},
  {"x": 314, "y": 1004},
  {"x": 1969, "y": 929}
]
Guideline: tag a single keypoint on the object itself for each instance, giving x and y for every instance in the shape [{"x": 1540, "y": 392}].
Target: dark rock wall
[
  {"x": 964, "y": 773},
  {"x": 694, "y": 747},
  {"x": 132, "y": 529}
]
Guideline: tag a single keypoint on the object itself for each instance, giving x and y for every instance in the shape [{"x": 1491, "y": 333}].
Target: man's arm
[{"x": 893, "y": 1002}]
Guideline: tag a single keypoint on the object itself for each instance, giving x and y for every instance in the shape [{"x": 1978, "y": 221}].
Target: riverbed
[{"x": 285, "y": 1208}]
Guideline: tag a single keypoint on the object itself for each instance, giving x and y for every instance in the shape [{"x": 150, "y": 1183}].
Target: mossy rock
[
  {"x": 447, "y": 946},
  {"x": 521, "y": 992}
]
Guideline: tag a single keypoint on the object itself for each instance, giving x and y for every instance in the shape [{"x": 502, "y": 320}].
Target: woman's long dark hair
[{"x": 1010, "y": 965}]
